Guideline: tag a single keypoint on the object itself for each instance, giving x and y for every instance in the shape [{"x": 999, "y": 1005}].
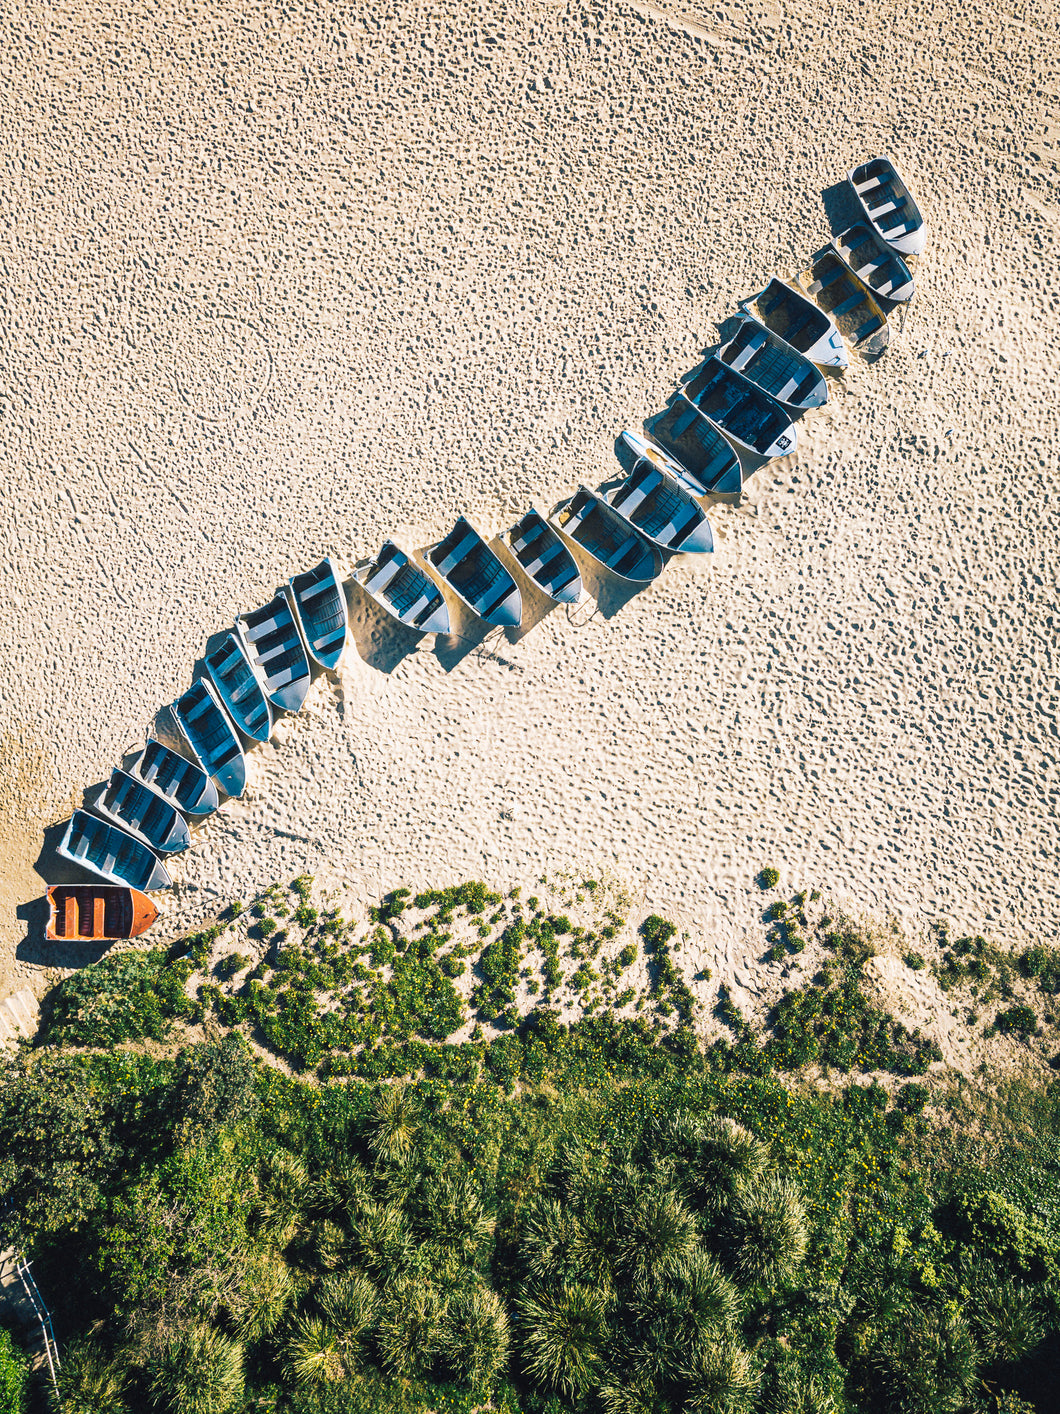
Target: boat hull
[
  {"x": 739, "y": 409},
  {"x": 211, "y": 738},
  {"x": 670, "y": 518},
  {"x": 240, "y": 689},
  {"x": 641, "y": 564},
  {"x": 320, "y": 601},
  {"x": 876, "y": 264},
  {"x": 466, "y": 564},
  {"x": 542, "y": 556},
  {"x": 888, "y": 205},
  {"x": 403, "y": 590},
  {"x": 779, "y": 370},
  {"x": 183, "y": 783},
  {"x": 144, "y": 813},
  {"x": 798, "y": 322},
  {"x": 98, "y": 913},
  {"x": 273, "y": 644},
  {"x": 110, "y": 853}
]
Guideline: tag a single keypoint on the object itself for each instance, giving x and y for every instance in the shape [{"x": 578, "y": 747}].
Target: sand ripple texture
[{"x": 285, "y": 280}]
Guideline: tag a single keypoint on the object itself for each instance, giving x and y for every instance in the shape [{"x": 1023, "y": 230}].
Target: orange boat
[{"x": 97, "y": 913}]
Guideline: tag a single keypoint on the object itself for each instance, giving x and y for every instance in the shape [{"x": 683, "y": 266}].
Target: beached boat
[
  {"x": 775, "y": 366},
  {"x": 543, "y": 558},
  {"x": 239, "y": 688},
  {"x": 590, "y": 522},
  {"x": 135, "y": 807},
  {"x": 748, "y": 416},
  {"x": 117, "y": 857},
  {"x": 851, "y": 304},
  {"x": 321, "y": 603},
  {"x": 888, "y": 205},
  {"x": 403, "y": 590},
  {"x": 97, "y": 913},
  {"x": 660, "y": 507},
  {"x": 476, "y": 576},
  {"x": 708, "y": 461},
  {"x": 211, "y": 737},
  {"x": 184, "y": 783},
  {"x": 797, "y": 321},
  {"x": 273, "y": 644},
  {"x": 874, "y": 262}
]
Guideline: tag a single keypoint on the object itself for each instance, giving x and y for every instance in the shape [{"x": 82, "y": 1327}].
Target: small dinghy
[
  {"x": 97, "y": 913},
  {"x": 184, "y": 783},
  {"x": 849, "y": 303},
  {"x": 143, "y": 812},
  {"x": 239, "y": 689},
  {"x": 748, "y": 416},
  {"x": 273, "y": 644},
  {"x": 658, "y": 504},
  {"x": 476, "y": 576},
  {"x": 709, "y": 464},
  {"x": 797, "y": 321},
  {"x": 543, "y": 557},
  {"x": 211, "y": 736},
  {"x": 321, "y": 603},
  {"x": 590, "y": 522},
  {"x": 117, "y": 857},
  {"x": 775, "y": 366},
  {"x": 403, "y": 590},
  {"x": 888, "y": 205},
  {"x": 863, "y": 251}
]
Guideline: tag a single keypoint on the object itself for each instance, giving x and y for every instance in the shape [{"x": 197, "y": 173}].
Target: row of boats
[{"x": 742, "y": 400}]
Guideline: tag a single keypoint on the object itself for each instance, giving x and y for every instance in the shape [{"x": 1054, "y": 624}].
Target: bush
[
  {"x": 14, "y": 1376},
  {"x": 1018, "y": 1020},
  {"x": 769, "y": 878},
  {"x": 200, "y": 1372},
  {"x": 129, "y": 997}
]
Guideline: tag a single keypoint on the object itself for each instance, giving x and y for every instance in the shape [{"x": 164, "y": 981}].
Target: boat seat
[
  {"x": 411, "y": 615},
  {"x": 71, "y": 916},
  {"x": 377, "y": 582},
  {"x": 527, "y": 538},
  {"x": 580, "y": 515},
  {"x": 545, "y": 558},
  {"x": 752, "y": 346},
  {"x": 455, "y": 556},
  {"x": 256, "y": 632},
  {"x": 884, "y": 208},
  {"x": 845, "y": 306},
  {"x": 863, "y": 188},
  {"x": 99, "y": 917},
  {"x": 630, "y": 543}
]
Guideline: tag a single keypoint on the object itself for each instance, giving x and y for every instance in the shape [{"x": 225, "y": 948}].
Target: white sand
[{"x": 275, "y": 286}]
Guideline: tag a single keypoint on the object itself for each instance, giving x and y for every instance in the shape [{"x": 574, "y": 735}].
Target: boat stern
[{"x": 509, "y": 612}]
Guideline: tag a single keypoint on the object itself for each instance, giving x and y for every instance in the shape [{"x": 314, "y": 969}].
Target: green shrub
[
  {"x": 769, "y": 878},
  {"x": 14, "y": 1376},
  {"x": 776, "y": 911},
  {"x": 914, "y": 960},
  {"x": 1019, "y": 1020},
  {"x": 128, "y": 997}
]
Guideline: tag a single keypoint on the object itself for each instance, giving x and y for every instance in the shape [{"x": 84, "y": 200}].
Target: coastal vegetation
[{"x": 414, "y": 1165}]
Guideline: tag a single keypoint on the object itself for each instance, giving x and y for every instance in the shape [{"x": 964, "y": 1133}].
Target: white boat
[
  {"x": 239, "y": 688},
  {"x": 133, "y": 806},
  {"x": 658, "y": 503},
  {"x": 544, "y": 559},
  {"x": 211, "y": 737},
  {"x": 876, "y": 264},
  {"x": 403, "y": 590},
  {"x": 888, "y": 205},
  {"x": 796, "y": 320},
  {"x": 775, "y": 366},
  {"x": 181, "y": 781},
  {"x": 321, "y": 603},
  {"x": 850, "y": 304},
  {"x": 476, "y": 576},
  {"x": 111, "y": 854},
  {"x": 274, "y": 646},
  {"x": 709, "y": 465},
  {"x": 747, "y": 415},
  {"x": 590, "y": 522}
]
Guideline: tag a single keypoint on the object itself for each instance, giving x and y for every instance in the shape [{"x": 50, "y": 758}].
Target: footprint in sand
[{"x": 218, "y": 366}]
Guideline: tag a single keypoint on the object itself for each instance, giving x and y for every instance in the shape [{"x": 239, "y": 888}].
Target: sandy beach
[{"x": 281, "y": 283}]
